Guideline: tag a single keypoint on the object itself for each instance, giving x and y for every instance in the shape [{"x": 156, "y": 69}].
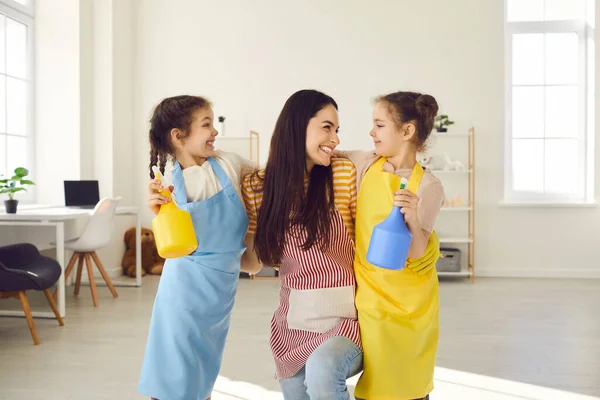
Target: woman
[{"x": 301, "y": 209}]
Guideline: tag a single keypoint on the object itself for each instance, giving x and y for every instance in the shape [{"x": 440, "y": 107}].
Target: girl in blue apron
[{"x": 195, "y": 296}]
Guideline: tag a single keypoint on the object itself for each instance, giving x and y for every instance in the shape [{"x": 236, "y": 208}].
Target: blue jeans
[{"x": 325, "y": 373}]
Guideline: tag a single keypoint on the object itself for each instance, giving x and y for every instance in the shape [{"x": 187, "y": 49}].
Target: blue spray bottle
[{"x": 390, "y": 240}]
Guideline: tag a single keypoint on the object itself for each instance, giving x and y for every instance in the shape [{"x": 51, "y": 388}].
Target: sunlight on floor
[
  {"x": 449, "y": 385},
  {"x": 226, "y": 389}
]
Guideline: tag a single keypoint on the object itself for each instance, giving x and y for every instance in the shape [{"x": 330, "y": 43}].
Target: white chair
[{"x": 97, "y": 234}]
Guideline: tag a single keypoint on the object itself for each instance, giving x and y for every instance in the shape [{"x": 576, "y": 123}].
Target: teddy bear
[{"x": 152, "y": 263}]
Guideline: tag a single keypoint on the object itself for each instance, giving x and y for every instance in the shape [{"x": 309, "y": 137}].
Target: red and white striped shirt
[{"x": 316, "y": 296}]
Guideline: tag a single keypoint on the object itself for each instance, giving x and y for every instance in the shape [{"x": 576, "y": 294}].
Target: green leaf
[
  {"x": 21, "y": 172},
  {"x": 12, "y": 190},
  {"x": 27, "y": 182}
]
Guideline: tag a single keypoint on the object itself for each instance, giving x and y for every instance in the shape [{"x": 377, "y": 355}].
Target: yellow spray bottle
[{"x": 173, "y": 228}]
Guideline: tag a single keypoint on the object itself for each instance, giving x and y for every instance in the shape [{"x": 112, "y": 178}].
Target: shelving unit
[
  {"x": 468, "y": 209},
  {"x": 446, "y": 134},
  {"x": 456, "y": 240},
  {"x": 457, "y": 208},
  {"x": 461, "y": 274},
  {"x": 246, "y": 146},
  {"x": 441, "y": 171}
]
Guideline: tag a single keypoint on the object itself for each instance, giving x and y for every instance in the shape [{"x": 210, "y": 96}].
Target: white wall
[
  {"x": 84, "y": 110},
  {"x": 100, "y": 68},
  {"x": 122, "y": 105},
  {"x": 57, "y": 101},
  {"x": 59, "y": 154},
  {"x": 86, "y": 87},
  {"x": 102, "y": 92},
  {"x": 248, "y": 57}
]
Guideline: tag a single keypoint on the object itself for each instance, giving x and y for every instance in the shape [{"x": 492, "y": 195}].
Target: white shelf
[
  {"x": 457, "y": 208},
  {"x": 451, "y": 134},
  {"x": 441, "y": 171},
  {"x": 461, "y": 274},
  {"x": 455, "y": 240}
]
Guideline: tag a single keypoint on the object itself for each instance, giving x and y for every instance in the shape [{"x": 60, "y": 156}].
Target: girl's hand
[
  {"x": 155, "y": 199},
  {"x": 408, "y": 201}
]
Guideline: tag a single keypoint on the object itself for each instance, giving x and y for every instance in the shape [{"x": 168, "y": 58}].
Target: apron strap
[
  {"x": 179, "y": 186},
  {"x": 415, "y": 177},
  {"x": 220, "y": 172},
  {"x": 380, "y": 163}
]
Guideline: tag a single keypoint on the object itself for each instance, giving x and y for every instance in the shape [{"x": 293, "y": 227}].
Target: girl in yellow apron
[{"x": 398, "y": 311}]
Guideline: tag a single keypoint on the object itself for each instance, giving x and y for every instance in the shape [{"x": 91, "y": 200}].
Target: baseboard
[
  {"x": 112, "y": 273},
  {"x": 485, "y": 273},
  {"x": 115, "y": 272},
  {"x": 544, "y": 273}
]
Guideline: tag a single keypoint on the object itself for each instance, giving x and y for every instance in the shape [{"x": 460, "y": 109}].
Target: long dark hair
[
  {"x": 172, "y": 112},
  {"x": 285, "y": 203}
]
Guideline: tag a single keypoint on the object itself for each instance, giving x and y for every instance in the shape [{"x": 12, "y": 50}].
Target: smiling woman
[
  {"x": 305, "y": 132},
  {"x": 301, "y": 210}
]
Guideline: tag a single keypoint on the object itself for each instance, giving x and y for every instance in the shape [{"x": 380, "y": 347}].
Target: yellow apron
[{"x": 398, "y": 311}]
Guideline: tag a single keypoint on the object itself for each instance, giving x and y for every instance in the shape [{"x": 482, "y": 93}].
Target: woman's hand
[
  {"x": 408, "y": 201},
  {"x": 250, "y": 262},
  {"x": 155, "y": 199}
]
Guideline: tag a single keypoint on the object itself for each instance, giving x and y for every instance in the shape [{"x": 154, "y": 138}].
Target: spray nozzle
[
  {"x": 158, "y": 175},
  {"x": 403, "y": 183}
]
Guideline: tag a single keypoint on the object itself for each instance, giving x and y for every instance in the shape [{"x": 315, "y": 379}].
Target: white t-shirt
[{"x": 201, "y": 182}]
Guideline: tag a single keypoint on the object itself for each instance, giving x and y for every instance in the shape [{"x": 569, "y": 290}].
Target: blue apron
[{"x": 190, "y": 319}]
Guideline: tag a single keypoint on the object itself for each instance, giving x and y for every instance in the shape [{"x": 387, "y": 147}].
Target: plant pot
[
  {"x": 440, "y": 130},
  {"x": 11, "y": 206}
]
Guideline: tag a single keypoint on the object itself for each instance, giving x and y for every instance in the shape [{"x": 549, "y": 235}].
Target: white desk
[{"x": 56, "y": 217}]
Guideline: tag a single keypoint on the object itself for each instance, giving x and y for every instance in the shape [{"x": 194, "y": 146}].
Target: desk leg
[
  {"x": 60, "y": 257},
  {"x": 138, "y": 250}
]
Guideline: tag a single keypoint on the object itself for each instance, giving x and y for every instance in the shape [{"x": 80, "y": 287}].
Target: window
[
  {"x": 16, "y": 87},
  {"x": 550, "y": 97}
]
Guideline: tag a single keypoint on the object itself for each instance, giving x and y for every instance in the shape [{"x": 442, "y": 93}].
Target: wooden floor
[{"x": 540, "y": 332}]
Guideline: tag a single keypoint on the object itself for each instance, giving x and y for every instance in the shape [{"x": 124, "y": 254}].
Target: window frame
[
  {"x": 25, "y": 14},
  {"x": 585, "y": 138}
]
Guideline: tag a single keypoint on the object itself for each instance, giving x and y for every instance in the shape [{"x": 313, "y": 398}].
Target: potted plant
[
  {"x": 13, "y": 185},
  {"x": 222, "y": 123},
  {"x": 442, "y": 122}
]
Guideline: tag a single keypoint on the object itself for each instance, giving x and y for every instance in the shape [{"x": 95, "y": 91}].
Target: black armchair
[{"x": 23, "y": 268}]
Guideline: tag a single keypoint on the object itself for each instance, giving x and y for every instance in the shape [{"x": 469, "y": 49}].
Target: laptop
[{"x": 81, "y": 194}]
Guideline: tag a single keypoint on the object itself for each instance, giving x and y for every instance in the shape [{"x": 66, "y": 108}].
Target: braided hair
[{"x": 171, "y": 113}]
